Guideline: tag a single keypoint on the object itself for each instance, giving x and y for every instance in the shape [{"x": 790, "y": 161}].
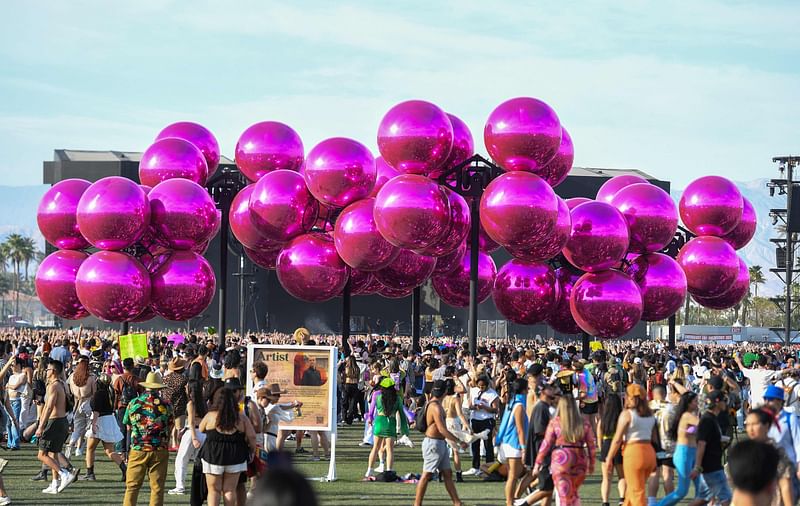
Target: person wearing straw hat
[{"x": 149, "y": 417}]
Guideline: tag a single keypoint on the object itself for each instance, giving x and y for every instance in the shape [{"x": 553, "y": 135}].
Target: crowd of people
[{"x": 539, "y": 415}]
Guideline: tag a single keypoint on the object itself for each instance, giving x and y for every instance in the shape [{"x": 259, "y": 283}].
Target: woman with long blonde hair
[
  {"x": 570, "y": 438},
  {"x": 637, "y": 427}
]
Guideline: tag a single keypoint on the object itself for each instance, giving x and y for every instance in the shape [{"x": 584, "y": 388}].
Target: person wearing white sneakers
[
  {"x": 54, "y": 428},
  {"x": 4, "y": 498}
]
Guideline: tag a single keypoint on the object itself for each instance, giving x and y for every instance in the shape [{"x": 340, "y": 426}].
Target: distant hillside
[{"x": 18, "y": 214}]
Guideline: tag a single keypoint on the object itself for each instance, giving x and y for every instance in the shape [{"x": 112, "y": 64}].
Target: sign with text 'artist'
[{"x": 304, "y": 373}]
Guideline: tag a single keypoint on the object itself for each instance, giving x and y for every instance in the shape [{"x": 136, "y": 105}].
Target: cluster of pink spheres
[{"x": 397, "y": 226}]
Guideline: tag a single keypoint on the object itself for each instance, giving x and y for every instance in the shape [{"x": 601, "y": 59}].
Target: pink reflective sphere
[
  {"x": 453, "y": 287},
  {"x": 560, "y": 318},
  {"x": 281, "y": 206},
  {"x": 113, "y": 286},
  {"x": 242, "y": 225},
  {"x": 373, "y": 287},
  {"x": 485, "y": 243},
  {"x": 57, "y": 214},
  {"x": 55, "y": 284},
  {"x": 266, "y": 259},
  {"x": 557, "y": 169},
  {"x": 710, "y": 265},
  {"x": 552, "y": 244},
  {"x": 309, "y": 268},
  {"x": 651, "y": 214},
  {"x": 615, "y": 184},
  {"x": 359, "y": 281},
  {"x": 358, "y": 241},
  {"x": 518, "y": 209},
  {"x": 711, "y": 205},
  {"x": 575, "y": 202},
  {"x": 415, "y": 137},
  {"x": 172, "y": 158},
  {"x": 446, "y": 263},
  {"x": 525, "y": 292},
  {"x": 394, "y": 293},
  {"x": 146, "y": 315},
  {"x": 408, "y": 270},
  {"x": 339, "y": 171},
  {"x": 459, "y": 227},
  {"x": 184, "y": 215},
  {"x": 522, "y": 134},
  {"x": 412, "y": 212},
  {"x": 383, "y": 173},
  {"x": 266, "y": 147},
  {"x": 463, "y": 146},
  {"x": 662, "y": 284},
  {"x": 733, "y": 295},
  {"x": 606, "y": 304},
  {"x": 198, "y": 135},
  {"x": 113, "y": 213},
  {"x": 183, "y": 286},
  {"x": 746, "y": 229},
  {"x": 599, "y": 237}
]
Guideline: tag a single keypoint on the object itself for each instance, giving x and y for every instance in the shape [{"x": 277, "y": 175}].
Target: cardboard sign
[{"x": 133, "y": 345}]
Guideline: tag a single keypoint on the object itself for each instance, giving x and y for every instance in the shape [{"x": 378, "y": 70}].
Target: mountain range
[{"x": 18, "y": 214}]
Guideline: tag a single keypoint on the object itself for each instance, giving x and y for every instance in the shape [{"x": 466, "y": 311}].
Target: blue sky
[{"x": 678, "y": 89}]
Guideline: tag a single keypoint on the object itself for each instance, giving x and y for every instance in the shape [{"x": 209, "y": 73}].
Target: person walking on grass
[
  {"x": 149, "y": 418},
  {"x": 435, "y": 452},
  {"x": 103, "y": 429},
  {"x": 54, "y": 428}
]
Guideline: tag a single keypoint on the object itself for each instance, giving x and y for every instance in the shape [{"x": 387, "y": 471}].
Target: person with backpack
[{"x": 126, "y": 388}]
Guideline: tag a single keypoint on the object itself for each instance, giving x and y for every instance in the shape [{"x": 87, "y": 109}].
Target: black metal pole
[
  {"x": 225, "y": 200},
  {"x": 416, "y": 297},
  {"x": 346, "y": 319},
  {"x": 671, "y": 337},
  {"x": 473, "y": 276},
  {"x": 242, "y": 295},
  {"x": 124, "y": 328},
  {"x": 789, "y": 252},
  {"x": 585, "y": 345}
]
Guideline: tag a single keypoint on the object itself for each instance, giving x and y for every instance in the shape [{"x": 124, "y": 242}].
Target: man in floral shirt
[{"x": 149, "y": 418}]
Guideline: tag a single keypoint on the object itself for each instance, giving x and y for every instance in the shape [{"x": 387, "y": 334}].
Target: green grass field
[{"x": 347, "y": 490}]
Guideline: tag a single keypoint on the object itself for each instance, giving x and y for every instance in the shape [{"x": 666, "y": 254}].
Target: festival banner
[
  {"x": 133, "y": 345},
  {"x": 304, "y": 373}
]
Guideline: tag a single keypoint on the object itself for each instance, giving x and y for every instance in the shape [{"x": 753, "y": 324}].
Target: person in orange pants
[{"x": 635, "y": 428}]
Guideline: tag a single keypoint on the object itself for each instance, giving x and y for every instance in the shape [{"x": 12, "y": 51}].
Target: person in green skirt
[{"x": 385, "y": 409}]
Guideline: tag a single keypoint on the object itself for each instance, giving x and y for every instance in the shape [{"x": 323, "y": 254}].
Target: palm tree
[
  {"x": 756, "y": 278},
  {"x": 5, "y": 256},
  {"x": 28, "y": 253}
]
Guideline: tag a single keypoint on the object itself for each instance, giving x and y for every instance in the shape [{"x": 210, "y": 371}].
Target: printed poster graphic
[{"x": 307, "y": 374}]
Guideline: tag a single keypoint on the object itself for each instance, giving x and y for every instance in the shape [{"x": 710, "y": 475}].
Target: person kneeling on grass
[{"x": 435, "y": 453}]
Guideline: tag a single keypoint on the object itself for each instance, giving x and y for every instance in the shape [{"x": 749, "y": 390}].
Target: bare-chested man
[
  {"x": 435, "y": 451},
  {"x": 54, "y": 428}
]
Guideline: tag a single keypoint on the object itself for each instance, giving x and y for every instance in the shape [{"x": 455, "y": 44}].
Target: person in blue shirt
[
  {"x": 511, "y": 434},
  {"x": 61, "y": 353}
]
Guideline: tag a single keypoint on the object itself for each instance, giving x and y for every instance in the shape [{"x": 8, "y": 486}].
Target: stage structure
[{"x": 469, "y": 179}]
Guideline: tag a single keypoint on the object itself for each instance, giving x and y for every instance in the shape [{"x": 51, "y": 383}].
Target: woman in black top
[
  {"x": 103, "y": 428},
  {"x": 230, "y": 440}
]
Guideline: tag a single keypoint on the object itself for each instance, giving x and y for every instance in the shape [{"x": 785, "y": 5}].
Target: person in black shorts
[
  {"x": 540, "y": 418},
  {"x": 612, "y": 408}
]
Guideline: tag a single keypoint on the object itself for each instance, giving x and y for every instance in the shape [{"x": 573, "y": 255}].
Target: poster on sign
[
  {"x": 705, "y": 339},
  {"x": 306, "y": 374}
]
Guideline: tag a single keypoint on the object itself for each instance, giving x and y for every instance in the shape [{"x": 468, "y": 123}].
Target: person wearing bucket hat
[
  {"x": 274, "y": 412},
  {"x": 383, "y": 412},
  {"x": 149, "y": 417}
]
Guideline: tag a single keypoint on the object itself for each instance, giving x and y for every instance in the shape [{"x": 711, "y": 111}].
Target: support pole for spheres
[
  {"x": 226, "y": 198},
  {"x": 124, "y": 328},
  {"x": 585, "y": 338},
  {"x": 242, "y": 296},
  {"x": 416, "y": 297},
  {"x": 473, "y": 277},
  {"x": 346, "y": 319},
  {"x": 671, "y": 337}
]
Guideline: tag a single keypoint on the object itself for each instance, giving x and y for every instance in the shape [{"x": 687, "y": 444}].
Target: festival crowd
[{"x": 718, "y": 422}]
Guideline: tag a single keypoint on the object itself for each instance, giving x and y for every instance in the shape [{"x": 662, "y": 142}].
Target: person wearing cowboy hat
[
  {"x": 274, "y": 412},
  {"x": 149, "y": 417},
  {"x": 175, "y": 392}
]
